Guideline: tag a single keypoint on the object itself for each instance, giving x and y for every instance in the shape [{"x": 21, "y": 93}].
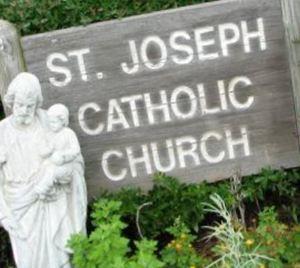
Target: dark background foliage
[{"x": 35, "y": 16}]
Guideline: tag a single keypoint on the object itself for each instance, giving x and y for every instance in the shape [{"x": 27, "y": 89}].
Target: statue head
[
  {"x": 58, "y": 115},
  {"x": 24, "y": 96}
]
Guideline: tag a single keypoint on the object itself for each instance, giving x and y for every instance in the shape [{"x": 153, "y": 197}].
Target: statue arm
[
  {"x": 6, "y": 218},
  {"x": 70, "y": 156},
  {"x": 45, "y": 149},
  {"x": 74, "y": 151},
  {"x": 4, "y": 210}
]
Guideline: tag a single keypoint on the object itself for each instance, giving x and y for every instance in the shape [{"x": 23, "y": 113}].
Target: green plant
[
  {"x": 106, "y": 247},
  {"x": 169, "y": 200},
  {"x": 276, "y": 239},
  {"x": 145, "y": 256},
  {"x": 231, "y": 249},
  {"x": 37, "y": 16},
  {"x": 292, "y": 250},
  {"x": 238, "y": 206},
  {"x": 275, "y": 187},
  {"x": 180, "y": 252}
]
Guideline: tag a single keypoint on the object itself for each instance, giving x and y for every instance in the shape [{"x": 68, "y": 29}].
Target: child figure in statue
[{"x": 61, "y": 149}]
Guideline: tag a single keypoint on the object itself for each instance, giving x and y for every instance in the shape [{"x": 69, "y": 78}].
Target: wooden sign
[{"x": 195, "y": 92}]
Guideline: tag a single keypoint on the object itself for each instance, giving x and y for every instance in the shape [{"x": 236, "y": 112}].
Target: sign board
[{"x": 195, "y": 92}]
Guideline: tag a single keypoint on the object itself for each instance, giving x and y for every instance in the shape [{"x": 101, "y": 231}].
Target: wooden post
[
  {"x": 11, "y": 56},
  {"x": 291, "y": 18}
]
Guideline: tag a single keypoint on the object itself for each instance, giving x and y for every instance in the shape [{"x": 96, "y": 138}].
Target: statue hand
[
  {"x": 57, "y": 159},
  {"x": 45, "y": 195},
  {"x": 65, "y": 179},
  {"x": 13, "y": 227},
  {"x": 46, "y": 151}
]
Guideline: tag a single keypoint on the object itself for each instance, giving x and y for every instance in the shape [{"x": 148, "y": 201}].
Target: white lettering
[
  {"x": 58, "y": 69},
  {"x": 201, "y": 44},
  {"x": 174, "y": 102},
  {"x": 164, "y": 107},
  {"x": 225, "y": 41},
  {"x": 115, "y": 116},
  {"x": 231, "y": 92},
  {"x": 135, "y": 59},
  {"x": 171, "y": 156},
  {"x": 241, "y": 141},
  {"x": 144, "y": 159},
  {"x": 81, "y": 119},
  {"x": 251, "y": 35},
  {"x": 182, "y": 153},
  {"x": 180, "y": 47},
  {"x": 79, "y": 55},
  {"x": 207, "y": 157},
  {"x": 162, "y": 48},
  {"x": 203, "y": 102},
  {"x": 108, "y": 173},
  {"x": 132, "y": 103}
]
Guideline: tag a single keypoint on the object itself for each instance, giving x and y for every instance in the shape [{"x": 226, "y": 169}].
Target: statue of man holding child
[{"x": 43, "y": 197}]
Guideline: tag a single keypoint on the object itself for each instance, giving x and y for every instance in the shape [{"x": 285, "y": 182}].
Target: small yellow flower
[
  {"x": 223, "y": 247},
  {"x": 178, "y": 246},
  {"x": 192, "y": 266},
  {"x": 183, "y": 236},
  {"x": 262, "y": 266},
  {"x": 249, "y": 242}
]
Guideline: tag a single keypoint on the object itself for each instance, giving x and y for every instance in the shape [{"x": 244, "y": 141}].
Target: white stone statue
[{"x": 43, "y": 197}]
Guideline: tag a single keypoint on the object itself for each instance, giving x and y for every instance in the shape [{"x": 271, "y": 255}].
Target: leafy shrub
[
  {"x": 276, "y": 239},
  {"x": 169, "y": 200},
  {"x": 145, "y": 256},
  {"x": 180, "y": 252},
  {"x": 271, "y": 243},
  {"x": 37, "y": 16},
  {"x": 275, "y": 187},
  {"x": 106, "y": 247},
  {"x": 231, "y": 249},
  {"x": 292, "y": 250}
]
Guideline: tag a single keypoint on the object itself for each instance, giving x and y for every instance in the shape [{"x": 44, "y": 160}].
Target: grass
[{"x": 36, "y": 16}]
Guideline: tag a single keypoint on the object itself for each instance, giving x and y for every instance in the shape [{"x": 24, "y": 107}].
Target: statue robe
[{"x": 46, "y": 225}]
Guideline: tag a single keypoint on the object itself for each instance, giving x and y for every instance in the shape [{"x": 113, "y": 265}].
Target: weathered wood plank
[
  {"x": 229, "y": 61},
  {"x": 291, "y": 18},
  {"x": 11, "y": 57}
]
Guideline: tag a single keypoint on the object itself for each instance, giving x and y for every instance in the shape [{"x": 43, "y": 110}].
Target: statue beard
[{"x": 24, "y": 120}]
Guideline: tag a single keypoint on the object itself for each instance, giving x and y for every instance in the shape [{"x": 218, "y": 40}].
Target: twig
[
  {"x": 137, "y": 219},
  {"x": 236, "y": 190}
]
